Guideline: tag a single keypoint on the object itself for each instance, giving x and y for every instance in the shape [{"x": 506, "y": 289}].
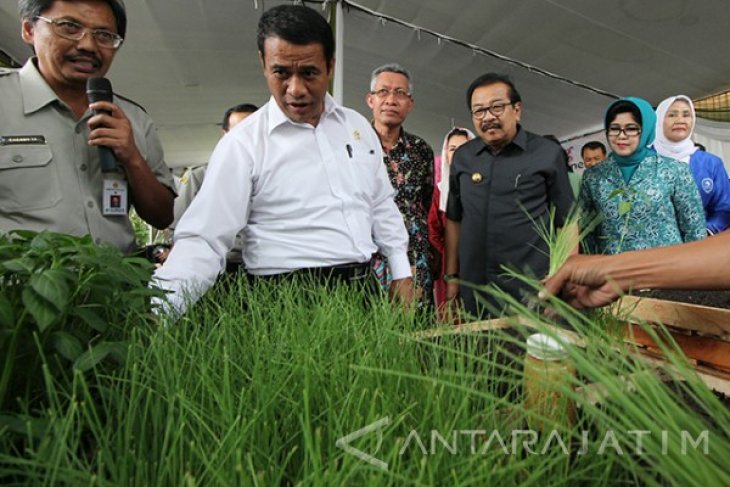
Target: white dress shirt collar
[{"x": 277, "y": 117}]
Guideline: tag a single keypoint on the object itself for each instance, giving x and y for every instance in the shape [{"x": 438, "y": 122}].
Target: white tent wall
[
  {"x": 715, "y": 136},
  {"x": 441, "y": 73},
  {"x": 187, "y": 61}
]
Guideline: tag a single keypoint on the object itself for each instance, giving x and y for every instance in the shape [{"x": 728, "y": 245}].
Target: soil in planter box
[
  {"x": 714, "y": 299},
  {"x": 677, "y": 388}
]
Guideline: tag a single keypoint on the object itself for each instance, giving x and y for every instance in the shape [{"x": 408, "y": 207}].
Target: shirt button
[
  {"x": 90, "y": 204},
  {"x": 17, "y": 158},
  {"x": 83, "y": 167},
  {"x": 78, "y": 129}
]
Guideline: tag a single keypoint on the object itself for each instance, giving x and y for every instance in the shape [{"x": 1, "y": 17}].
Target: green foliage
[
  {"x": 141, "y": 229},
  {"x": 256, "y": 385},
  {"x": 144, "y": 233},
  {"x": 563, "y": 240},
  {"x": 64, "y": 303}
]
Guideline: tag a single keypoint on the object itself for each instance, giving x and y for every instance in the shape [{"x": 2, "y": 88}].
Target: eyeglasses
[
  {"x": 73, "y": 31},
  {"x": 629, "y": 131},
  {"x": 384, "y": 93},
  {"x": 496, "y": 109}
]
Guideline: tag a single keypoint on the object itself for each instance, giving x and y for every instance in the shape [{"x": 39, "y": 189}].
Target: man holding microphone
[{"x": 51, "y": 137}]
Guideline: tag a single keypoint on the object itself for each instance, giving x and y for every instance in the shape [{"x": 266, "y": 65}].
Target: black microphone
[{"x": 100, "y": 89}]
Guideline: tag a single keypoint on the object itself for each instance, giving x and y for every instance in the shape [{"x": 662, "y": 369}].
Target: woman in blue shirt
[
  {"x": 674, "y": 127},
  {"x": 642, "y": 199}
]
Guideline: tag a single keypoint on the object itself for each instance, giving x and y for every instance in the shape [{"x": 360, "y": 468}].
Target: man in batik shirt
[{"x": 409, "y": 160}]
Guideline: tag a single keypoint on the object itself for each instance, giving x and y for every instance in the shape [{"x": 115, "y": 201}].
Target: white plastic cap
[{"x": 543, "y": 347}]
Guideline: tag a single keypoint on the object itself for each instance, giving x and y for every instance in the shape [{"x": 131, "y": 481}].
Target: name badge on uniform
[
  {"x": 114, "y": 197},
  {"x": 22, "y": 140}
]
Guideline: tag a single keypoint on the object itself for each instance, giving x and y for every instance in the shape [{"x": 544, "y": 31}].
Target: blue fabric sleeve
[
  {"x": 688, "y": 205},
  {"x": 718, "y": 206}
]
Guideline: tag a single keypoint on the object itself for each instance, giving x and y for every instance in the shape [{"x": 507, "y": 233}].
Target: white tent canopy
[
  {"x": 187, "y": 61},
  {"x": 715, "y": 136}
]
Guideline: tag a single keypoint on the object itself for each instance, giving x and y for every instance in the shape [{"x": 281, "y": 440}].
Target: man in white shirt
[
  {"x": 192, "y": 179},
  {"x": 302, "y": 177}
]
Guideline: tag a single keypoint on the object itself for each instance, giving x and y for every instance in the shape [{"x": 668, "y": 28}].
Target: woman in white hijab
[
  {"x": 456, "y": 137},
  {"x": 674, "y": 126}
]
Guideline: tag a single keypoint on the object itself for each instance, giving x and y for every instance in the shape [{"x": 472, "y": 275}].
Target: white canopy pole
[{"x": 338, "y": 83}]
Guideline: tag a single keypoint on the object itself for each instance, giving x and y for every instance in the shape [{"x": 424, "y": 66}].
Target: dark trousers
[{"x": 355, "y": 274}]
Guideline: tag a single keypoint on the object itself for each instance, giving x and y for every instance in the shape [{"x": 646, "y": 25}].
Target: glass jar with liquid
[{"x": 548, "y": 374}]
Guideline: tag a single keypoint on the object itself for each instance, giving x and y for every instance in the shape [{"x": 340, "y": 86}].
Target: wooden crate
[{"x": 701, "y": 332}]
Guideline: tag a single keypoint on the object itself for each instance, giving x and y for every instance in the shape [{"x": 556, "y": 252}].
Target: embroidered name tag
[{"x": 22, "y": 139}]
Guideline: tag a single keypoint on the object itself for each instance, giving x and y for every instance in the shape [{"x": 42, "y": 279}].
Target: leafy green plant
[
  {"x": 563, "y": 240},
  {"x": 64, "y": 303},
  {"x": 146, "y": 234},
  {"x": 623, "y": 392},
  {"x": 257, "y": 385},
  {"x": 141, "y": 229}
]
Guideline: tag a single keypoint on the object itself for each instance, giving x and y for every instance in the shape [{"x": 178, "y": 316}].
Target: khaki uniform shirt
[
  {"x": 189, "y": 185},
  {"x": 50, "y": 178}
]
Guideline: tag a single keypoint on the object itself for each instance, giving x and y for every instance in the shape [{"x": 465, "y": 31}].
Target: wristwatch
[{"x": 450, "y": 277}]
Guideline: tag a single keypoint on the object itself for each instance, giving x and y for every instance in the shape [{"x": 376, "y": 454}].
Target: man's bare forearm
[{"x": 704, "y": 264}]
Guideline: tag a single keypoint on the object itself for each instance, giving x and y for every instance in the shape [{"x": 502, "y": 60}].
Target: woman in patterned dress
[{"x": 642, "y": 199}]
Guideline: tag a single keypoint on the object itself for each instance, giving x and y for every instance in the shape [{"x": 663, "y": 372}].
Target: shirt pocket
[
  {"x": 362, "y": 169},
  {"x": 528, "y": 189},
  {"x": 28, "y": 178}
]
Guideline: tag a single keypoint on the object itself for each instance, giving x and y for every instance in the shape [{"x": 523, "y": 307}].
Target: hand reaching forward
[{"x": 583, "y": 282}]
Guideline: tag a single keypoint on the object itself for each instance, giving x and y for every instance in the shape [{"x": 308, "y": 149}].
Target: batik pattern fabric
[
  {"x": 410, "y": 169},
  {"x": 658, "y": 206}
]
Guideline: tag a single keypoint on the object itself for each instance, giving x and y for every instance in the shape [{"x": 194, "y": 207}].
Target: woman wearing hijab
[
  {"x": 456, "y": 137},
  {"x": 642, "y": 199},
  {"x": 674, "y": 127}
]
